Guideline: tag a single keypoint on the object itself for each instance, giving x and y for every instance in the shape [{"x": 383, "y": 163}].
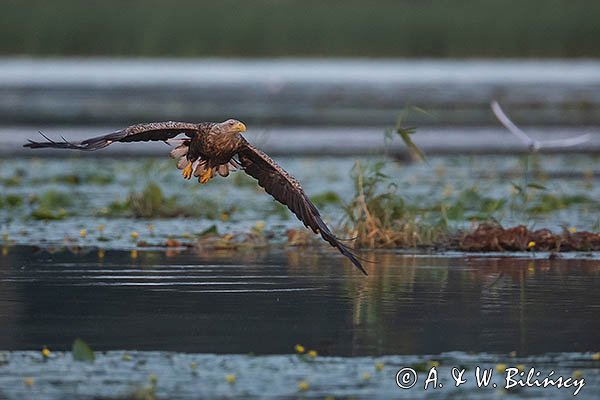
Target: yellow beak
[{"x": 241, "y": 127}]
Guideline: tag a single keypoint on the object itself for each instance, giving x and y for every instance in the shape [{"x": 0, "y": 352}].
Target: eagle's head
[{"x": 231, "y": 127}]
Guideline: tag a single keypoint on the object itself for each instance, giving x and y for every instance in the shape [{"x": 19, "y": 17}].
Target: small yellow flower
[
  {"x": 512, "y": 353},
  {"x": 4, "y": 250},
  {"x": 45, "y": 352},
  {"x": 312, "y": 354},
  {"x": 366, "y": 376},
  {"x": 193, "y": 365},
  {"x": 379, "y": 366},
  {"x": 28, "y": 381},
  {"x": 572, "y": 229},
  {"x": 100, "y": 228},
  {"x": 230, "y": 378},
  {"x": 83, "y": 233},
  {"x": 126, "y": 357},
  {"x": 134, "y": 235},
  {"x": 577, "y": 374},
  {"x": 501, "y": 368},
  {"x": 303, "y": 386},
  {"x": 299, "y": 349},
  {"x": 596, "y": 356},
  {"x": 133, "y": 254},
  {"x": 521, "y": 367},
  {"x": 530, "y": 244},
  {"x": 433, "y": 364}
]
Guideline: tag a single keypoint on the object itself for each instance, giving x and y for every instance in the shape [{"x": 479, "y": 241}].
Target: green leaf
[
  {"x": 210, "y": 231},
  {"x": 80, "y": 351},
  {"x": 537, "y": 186},
  {"x": 414, "y": 151}
]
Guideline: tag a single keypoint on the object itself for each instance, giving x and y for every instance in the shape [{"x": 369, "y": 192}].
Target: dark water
[{"x": 264, "y": 302}]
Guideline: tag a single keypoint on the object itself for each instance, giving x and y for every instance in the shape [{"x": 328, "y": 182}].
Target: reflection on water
[{"x": 265, "y": 302}]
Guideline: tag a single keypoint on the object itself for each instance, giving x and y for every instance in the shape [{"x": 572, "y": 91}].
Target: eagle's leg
[
  {"x": 206, "y": 175},
  {"x": 187, "y": 171}
]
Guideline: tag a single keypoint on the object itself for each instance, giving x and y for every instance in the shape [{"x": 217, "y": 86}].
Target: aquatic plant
[
  {"x": 379, "y": 217},
  {"x": 79, "y": 179},
  {"x": 324, "y": 198},
  {"x": 43, "y": 213},
  {"x": 80, "y": 351},
  {"x": 148, "y": 203},
  {"x": 10, "y": 201},
  {"x": 147, "y": 392},
  {"x": 51, "y": 205}
]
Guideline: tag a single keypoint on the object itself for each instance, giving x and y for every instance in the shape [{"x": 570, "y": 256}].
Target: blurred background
[{"x": 301, "y": 63}]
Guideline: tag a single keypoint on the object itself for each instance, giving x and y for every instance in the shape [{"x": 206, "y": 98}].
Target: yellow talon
[
  {"x": 205, "y": 177},
  {"x": 187, "y": 171}
]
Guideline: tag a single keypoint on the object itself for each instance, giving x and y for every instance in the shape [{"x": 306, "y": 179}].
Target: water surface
[{"x": 266, "y": 302}]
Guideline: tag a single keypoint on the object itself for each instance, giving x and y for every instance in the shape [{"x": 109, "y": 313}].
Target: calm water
[
  {"x": 191, "y": 319},
  {"x": 232, "y": 302}
]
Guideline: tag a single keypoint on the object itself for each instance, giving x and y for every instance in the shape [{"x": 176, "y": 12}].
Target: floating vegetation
[
  {"x": 81, "y": 179},
  {"x": 80, "y": 351},
  {"x": 51, "y": 205},
  {"x": 547, "y": 202},
  {"x": 417, "y": 205},
  {"x": 147, "y": 392},
  {"x": 492, "y": 237},
  {"x": 11, "y": 201},
  {"x": 15, "y": 179},
  {"x": 43, "y": 213},
  {"x": 324, "y": 198},
  {"x": 149, "y": 203}
]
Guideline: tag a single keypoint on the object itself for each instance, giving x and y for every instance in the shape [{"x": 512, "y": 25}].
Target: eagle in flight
[{"x": 209, "y": 149}]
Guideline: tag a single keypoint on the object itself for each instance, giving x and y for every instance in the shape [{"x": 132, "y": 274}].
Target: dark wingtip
[{"x": 355, "y": 261}]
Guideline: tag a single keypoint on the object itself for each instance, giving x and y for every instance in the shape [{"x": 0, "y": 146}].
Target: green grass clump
[
  {"x": 547, "y": 202},
  {"x": 324, "y": 198},
  {"x": 77, "y": 179},
  {"x": 51, "y": 205},
  {"x": 11, "y": 201},
  {"x": 45, "y": 214},
  {"x": 471, "y": 204},
  {"x": 54, "y": 199},
  {"x": 151, "y": 202},
  {"x": 379, "y": 217}
]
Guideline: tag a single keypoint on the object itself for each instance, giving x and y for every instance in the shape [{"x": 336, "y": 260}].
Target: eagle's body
[{"x": 209, "y": 149}]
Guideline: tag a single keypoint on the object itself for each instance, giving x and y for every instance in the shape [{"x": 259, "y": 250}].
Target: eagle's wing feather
[
  {"x": 285, "y": 189},
  {"x": 154, "y": 131}
]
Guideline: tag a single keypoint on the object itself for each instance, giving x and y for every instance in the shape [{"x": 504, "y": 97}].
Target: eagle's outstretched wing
[
  {"x": 154, "y": 131},
  {"x": 285, "y": 189}
]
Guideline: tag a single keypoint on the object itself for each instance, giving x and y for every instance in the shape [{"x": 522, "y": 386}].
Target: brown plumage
[{"x": 211, "y": 148}]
